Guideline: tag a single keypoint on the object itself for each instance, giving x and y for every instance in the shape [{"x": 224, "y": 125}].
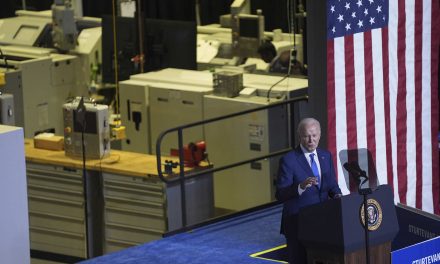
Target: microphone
[
  {"x": 80, "y": 115},
  {"x": 354, "y": 169}
]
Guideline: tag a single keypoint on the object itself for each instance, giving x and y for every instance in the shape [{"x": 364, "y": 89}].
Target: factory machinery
[
  {"x": 51, "y": 61},
  {"x": 44, "y": 60},
  {"x": 156, "y": 101}
]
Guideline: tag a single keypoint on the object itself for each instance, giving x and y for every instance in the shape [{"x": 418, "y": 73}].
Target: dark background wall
[
  {"x": 210, "y": 10},
  {"x": 163, "y": 9}
]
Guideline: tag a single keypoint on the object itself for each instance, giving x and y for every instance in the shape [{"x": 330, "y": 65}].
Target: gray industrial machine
[
  {"x": 91, "y": 120},
  {"x": 173, "y": 105},
  {"x": 64, "y": 30},
  {"x": 227, "y": 83},
  {"x": 250, "y": 136},
  {"x": 26, "y": 31},
  {"x": 7, "y": 112},
  {"x": 10, "y": 81},
  {"x": 177, "y": 76},
  {"x": 152, "y": 102},
  {"x": 149, "y": 108},
  {"x": 247, "y": 34},
  {"x": 89, "y": 51},
  {"x": 44, "y": 83},
  {"x": 134, "y": 109},
  {"x": 242, "y": 138},
  {"x": 12, "y": 91},
  {"x": 56, "y": 30},
  {"x": 155, "y": 101}
]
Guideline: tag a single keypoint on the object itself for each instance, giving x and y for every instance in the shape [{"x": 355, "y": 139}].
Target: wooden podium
[{"x": 333, "y": 231}]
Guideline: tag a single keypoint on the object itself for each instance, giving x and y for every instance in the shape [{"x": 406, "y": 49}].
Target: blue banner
[
  {"x": 426, "y": 252},
  {"x": 415, "y": 226}
]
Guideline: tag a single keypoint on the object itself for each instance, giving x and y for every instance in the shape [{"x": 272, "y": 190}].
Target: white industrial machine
[
  {"x": 250, "y": 136},
  {"x": 56, "y": 31},
  {"x": 152, "y": 102},
  {"x": 173, "y": 105},
  {"x": 48, "y": 78},
  {"x": 25, "y": 31},
  {"x": 155, "y": 101},
  {"x": 89, "y": 122},
  {"x": 135, "y": 116},
  {"x": 89, "y": 51},
  {"x": 214, "y": 48},
  {"x": 44, "y": 83},
  {"x": 177, "y": 76},
  {"x": 235, "y": 41},
  {"x": 243, "y": 138}
]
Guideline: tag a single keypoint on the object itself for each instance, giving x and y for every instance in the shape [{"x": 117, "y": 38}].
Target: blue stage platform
[{"x": 229, "y": 241}]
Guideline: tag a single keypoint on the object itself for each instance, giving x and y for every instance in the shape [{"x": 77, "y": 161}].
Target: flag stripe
[
  {"x": 360, "y": 79},
  {"x": 418, "y": 98},
  {"x": 379, "y": 146},
  {"x": 359, "y": 101},
  {"x": 410, "y": 105},
  {"x": 369, "y": 96},
  {"x": 401, "y": 103},
  {"x": 427, "y": 165},
  {"x": 331, "y": 134},
  {"x": 393, "y": 81},
  {"x": 386, "y": 95},
  {"x": 350, "y": 95},
  {"x": 435, "y": 35},
  {"x": 340, "y": 106}
]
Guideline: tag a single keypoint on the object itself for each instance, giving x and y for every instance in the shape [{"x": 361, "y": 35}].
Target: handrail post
[{"x": 182, "y": 176}]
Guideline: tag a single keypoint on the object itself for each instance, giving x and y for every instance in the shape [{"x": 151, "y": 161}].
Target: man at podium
[{"x": 306, "y": 176}]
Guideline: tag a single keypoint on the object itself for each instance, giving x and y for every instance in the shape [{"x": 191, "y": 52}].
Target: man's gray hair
[{"x": 307, "y": 121}]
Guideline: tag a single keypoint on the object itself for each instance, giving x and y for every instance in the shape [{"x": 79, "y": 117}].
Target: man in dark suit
[{"x": 306, "y": 176}]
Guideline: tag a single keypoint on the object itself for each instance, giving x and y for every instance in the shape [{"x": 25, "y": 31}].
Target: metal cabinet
[
  {"x": 141, "y": 209},
  {"x": 123, "y": 208},
  {"x": 134, "y": 211},
  {"x": 56, "y": 210}
]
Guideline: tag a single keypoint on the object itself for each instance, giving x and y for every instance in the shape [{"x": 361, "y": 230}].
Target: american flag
[{"x": 382, "y": 85}]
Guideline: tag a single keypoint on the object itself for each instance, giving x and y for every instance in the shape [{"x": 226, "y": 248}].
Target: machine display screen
[
  {"x": 90, "y": 122},
  {"x": 249, "y": 27}
]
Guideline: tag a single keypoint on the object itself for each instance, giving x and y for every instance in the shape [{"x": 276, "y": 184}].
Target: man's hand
[{"x": 308, "y": 183}]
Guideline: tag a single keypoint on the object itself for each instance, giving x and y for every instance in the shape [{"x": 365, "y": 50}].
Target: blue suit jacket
[{"x": 294, "y": 169}]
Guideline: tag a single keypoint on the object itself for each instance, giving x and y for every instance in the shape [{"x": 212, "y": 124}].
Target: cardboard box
[{"x": 48, "y": 141}]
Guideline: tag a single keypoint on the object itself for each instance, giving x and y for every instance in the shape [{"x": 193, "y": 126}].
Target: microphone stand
[
  {"x": 81, "y": 112},
  {"x": 84, "y": 171},
  {"x": 365, "y": 192}
]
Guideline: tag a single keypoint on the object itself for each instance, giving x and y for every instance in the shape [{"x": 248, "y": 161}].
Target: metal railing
[{"x": 182, "y": 177}]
